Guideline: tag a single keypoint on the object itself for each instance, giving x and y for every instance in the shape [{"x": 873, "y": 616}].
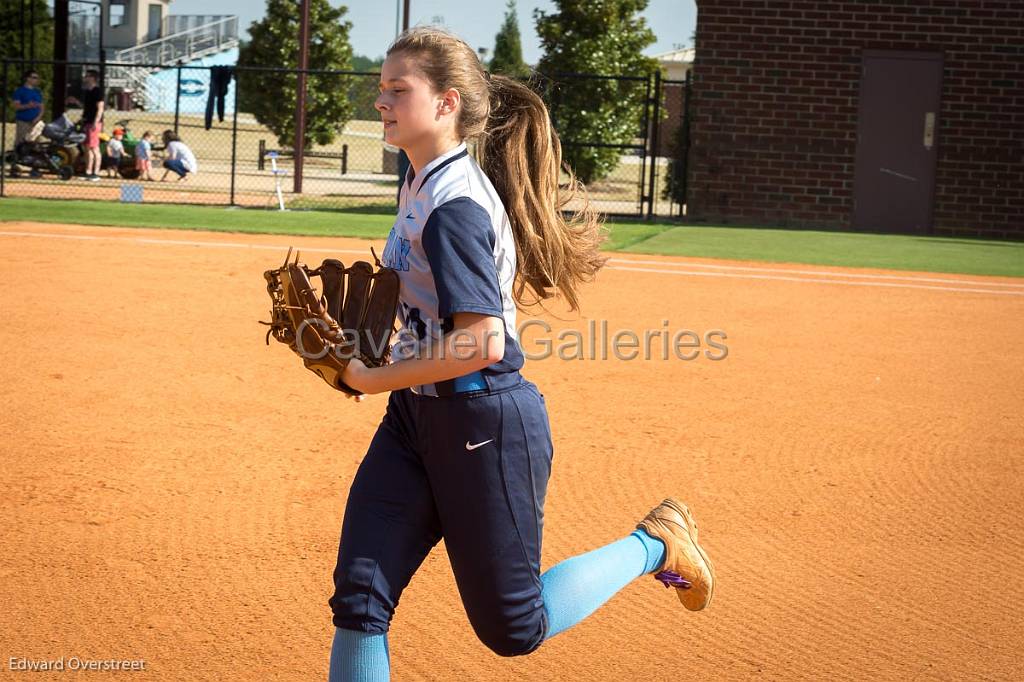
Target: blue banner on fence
[{"x": 195, "y": 85}]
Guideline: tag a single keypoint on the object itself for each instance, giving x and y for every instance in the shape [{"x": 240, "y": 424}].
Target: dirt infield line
[
  {"x": 665, "y": 267},
  {"x": 175, "y": 242},
  {"x": 778, "y": 278},
  {"x": 943, "y": 280}
]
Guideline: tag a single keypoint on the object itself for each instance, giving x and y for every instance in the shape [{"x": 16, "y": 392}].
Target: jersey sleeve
[{"x": 458, "y": 240}]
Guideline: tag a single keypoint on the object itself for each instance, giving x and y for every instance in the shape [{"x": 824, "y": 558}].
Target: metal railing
[
  {"x": 178, "y": 23},
  {"x": 209, "y": 35},
  {"x": 191, "y": 43}
]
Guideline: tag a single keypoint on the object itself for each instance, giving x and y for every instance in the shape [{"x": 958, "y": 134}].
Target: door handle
[{"x": 929, "y": 130}]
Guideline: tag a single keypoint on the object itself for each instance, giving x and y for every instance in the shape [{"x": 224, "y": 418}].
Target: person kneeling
[{"x": 178, "y": 157}]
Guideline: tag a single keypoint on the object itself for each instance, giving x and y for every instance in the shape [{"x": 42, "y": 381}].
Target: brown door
[{"x": 897, "y": 138}]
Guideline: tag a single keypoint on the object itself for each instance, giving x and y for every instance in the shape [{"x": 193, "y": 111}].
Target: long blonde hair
[{"x": 519, "y": 150}]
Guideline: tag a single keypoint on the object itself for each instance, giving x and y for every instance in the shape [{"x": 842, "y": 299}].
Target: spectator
[
  {"x": 178, "y": 157},
  {"x": 28, "y": 105},
  {"x": 143, "y": 153},
  {"x": 92, "y": 123},
  {"x": 115, "y": 152}
]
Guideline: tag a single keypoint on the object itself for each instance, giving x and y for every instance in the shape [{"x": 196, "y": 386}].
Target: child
[
  {"x": 142, "y": 155},
  {"x": 115, "y": 151},
  {"x": 179, "y": 158},
  {"x": 464, "y": 449}
]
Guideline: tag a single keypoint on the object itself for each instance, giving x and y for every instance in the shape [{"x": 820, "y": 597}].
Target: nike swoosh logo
[
  {"x": 474, "y": 447},
  {"x": 409, "y": 217}
]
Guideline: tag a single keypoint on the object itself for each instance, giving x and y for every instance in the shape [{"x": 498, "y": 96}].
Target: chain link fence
[{"x": 238, "y": 125}]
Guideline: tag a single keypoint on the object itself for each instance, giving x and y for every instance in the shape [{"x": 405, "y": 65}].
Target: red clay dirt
[{"x": 173, "y": 488}]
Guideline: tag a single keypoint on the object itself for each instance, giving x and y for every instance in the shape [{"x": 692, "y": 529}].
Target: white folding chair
[{"x": 278, "y": 177}]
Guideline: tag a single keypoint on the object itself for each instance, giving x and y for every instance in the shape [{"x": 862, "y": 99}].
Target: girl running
[{"x": 464, "y": 449}]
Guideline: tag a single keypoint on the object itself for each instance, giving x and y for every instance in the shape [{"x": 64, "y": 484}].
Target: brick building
[{"x": 880, "y": 115}]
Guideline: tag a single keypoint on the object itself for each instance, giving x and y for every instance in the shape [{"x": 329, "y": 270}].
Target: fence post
[
  {"x": 234, "y": 140},
  {"x": 61, "y": 21},
  {"x": 21, "y": 33},
  {"x": 32, "y": 35},
  {"x": 103, "y": 52},
  {"x": 344, "y": 159},
  {"x": 643, "y": 151},
  {"x": 684, "y": 154},
  {"x": 3, "y": 132},
  {"x": 177, "y": 98},
  {"x": 655, "y": 126},
  {"x": 300, "y": 99},
  {"x": 263, "y": 148}
]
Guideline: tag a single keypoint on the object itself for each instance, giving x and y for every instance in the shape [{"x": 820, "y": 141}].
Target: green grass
[
  {"x": 623, "y": 236},
  {"x": 850, "y": 249},
  {"x": 896, "y": 252},
  {"x": 343, "y": 222}
]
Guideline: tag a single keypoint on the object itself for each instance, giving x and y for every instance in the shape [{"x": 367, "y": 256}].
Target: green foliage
[
  {"x": 508, "y": 50},
  {"x": 605, "y": 37},
  {"x": 361, "y": 63},
  {"x": 363, "y": 92},
  {"x": 271, "y": 96},
  {"x": 10, "y": 48},
  {"x": 679, "y": 148}
]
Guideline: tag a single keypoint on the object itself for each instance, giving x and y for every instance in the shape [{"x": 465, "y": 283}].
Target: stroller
[{"x": 52, "y": 148}]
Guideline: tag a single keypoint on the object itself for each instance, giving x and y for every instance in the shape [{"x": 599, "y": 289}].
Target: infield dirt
[{"x": 173, "y": 489}]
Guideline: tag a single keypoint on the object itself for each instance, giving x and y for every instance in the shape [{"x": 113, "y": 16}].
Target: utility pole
[
  {"x": 403, "y": 158},
  {"x": 300, "y": 100},
  {"x": 32, "y": 35},
  {"x": 61, "y": 17}
]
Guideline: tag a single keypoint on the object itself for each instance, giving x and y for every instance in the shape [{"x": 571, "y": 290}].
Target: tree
[
  {"x": 361, "y": 63},
  {"x": 12, "y": 18},
  {"x": 605, "y": 38},
  {"x": 508, "y": 50},
  {"x": 675, "y": 187},
  {"x": 363, "y": 92},
  {"x": 274, "y": 42}
]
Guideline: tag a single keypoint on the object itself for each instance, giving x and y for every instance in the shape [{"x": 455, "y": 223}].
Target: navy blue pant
[
  {"x": 471, "y": 468},
  {"x": 176, "y": 165}
]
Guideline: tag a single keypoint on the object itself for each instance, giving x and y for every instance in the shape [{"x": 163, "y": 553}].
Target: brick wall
[{"x": 775, "y": 109}]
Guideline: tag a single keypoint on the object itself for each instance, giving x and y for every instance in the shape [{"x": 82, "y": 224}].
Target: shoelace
[{"x": 673, "y": 579}]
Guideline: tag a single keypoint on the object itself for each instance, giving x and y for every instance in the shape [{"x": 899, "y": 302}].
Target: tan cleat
[{"x": 686, "y": 567}]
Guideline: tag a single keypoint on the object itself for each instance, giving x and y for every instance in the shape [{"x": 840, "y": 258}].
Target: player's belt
[{"x": 463, "y": 384}]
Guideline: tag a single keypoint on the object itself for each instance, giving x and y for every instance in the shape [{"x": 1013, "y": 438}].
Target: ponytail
[
  {"x": 519, "y": 150},
  {"x": 521, "y": 154}
]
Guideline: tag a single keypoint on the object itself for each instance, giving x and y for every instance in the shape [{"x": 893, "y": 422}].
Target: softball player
[{"x": 464, "y": 449}]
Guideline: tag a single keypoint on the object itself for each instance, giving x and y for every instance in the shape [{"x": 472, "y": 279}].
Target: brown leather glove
[{"x": 353, "y": 318}]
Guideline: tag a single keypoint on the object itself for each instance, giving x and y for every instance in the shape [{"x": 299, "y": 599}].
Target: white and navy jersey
[{"x": 454, "y": 251}]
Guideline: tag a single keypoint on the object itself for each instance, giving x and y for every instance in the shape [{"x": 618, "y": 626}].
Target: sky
[{"x": 373, "y": 21}]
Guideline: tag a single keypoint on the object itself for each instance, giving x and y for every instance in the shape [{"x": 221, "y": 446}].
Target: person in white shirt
[{"x": 178, "y": 157}]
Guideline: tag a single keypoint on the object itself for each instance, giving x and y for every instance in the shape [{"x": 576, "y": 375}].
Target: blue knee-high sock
[
  {"x": 359, "y": 657},
  {"x": 575, "y": 588}
]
